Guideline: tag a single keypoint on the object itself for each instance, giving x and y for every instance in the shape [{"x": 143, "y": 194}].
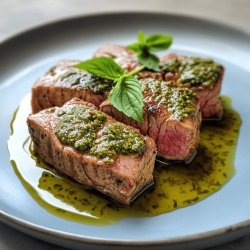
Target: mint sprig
[
  {"x": 126, "y": 95},
  {"x": 147, "y": 46}
]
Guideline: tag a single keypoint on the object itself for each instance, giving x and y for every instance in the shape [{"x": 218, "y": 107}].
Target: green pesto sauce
[
  {"x": 117, "y": 139},
  {"x": 176, "y": 185},
  {"x": 179, "y": 101},
  {"x": 194, "y": 70},
  {"x": 78, "y": 127},
  {"x": 86, "y": 80}
]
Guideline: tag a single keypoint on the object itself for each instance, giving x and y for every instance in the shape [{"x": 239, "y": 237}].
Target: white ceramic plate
[{"x": 223, "y": 216}]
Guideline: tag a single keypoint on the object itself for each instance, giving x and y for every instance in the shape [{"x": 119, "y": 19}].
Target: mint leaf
[
  {"x": 126, "y": 96},
  {"x": 146, "y": 46},
  {"x": 104, "y": 67},
  {"x": 150, "y": 61},
  {"x": 158, "y": 42}
]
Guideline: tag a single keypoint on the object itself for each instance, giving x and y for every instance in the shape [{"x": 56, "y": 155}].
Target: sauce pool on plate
[{"x": 176, "y": 185}]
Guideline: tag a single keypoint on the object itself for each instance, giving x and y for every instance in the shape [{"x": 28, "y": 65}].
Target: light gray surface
[{"x": 16, "y": 16}]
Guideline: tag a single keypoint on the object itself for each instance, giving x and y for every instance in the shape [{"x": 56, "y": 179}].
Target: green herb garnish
[
  {"x": 126, "y": 95},
  {"x": 147, "y": 46}
]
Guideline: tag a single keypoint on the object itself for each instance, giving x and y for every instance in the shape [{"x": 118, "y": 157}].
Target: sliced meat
[
  {"x": 125, "y": 57},
  {"x": 122, "y": 178},
  {"x": 176, "y": 134},
  {"x": 201, "y": 75},
  {"x": 206, "y": 86},
  {"x": 63, "y": 82},
  {"x": 144, "y": 74}
]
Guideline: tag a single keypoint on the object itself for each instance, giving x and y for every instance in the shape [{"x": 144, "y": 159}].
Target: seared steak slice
[
  {"x": 121, "y": 177},
  {"x": 203, "y": 76},
  {"x": 171, "y": 117},
  {"x": 126, "y": 58},
  {"x": 63, "y": 82}
]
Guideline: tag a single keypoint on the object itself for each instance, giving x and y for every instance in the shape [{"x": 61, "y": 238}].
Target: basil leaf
[
  {"x": 126, "y": 96},
  {"x": 136, "y": 47},
  {"x": 146, "y": 46},
  {"x": 157, "y": 42},
  {"x": 150, "y": 61},
  {"x": 141, "y": 37},
  {"x": 104, "y": 67}
]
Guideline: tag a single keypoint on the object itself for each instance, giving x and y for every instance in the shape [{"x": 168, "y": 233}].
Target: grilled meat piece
[
  {"x": 63, "y": 82},
  {"x": 126, "y": 58},
  {"x": 122, "y": 178},
  {"x": 203, "y": 76},
  {"x": 171, "y": 117}
]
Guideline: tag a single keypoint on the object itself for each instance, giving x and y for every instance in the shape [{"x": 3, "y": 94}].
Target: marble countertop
[{"x": 19, "y": 15}]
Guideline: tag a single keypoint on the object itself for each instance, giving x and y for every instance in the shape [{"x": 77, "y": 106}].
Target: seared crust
[
  {"x": 49, "y": 92},
  {"x": 126, "y": 58},
  {"x": 121, "y": 180},
  {"x": 175, "y": 140}
]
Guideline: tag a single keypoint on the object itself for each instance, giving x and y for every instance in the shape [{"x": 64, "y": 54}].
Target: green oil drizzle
[{"x": 176, "y": 185}]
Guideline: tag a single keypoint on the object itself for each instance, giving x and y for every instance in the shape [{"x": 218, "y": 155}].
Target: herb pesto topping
[
  {"x": 79, "y": 126},
  {"x": 86, "y": 80},
  {"x": 178, "y": 101},
  {"x": 117, "y": 139},
  {"x": 193, "y": 70}
]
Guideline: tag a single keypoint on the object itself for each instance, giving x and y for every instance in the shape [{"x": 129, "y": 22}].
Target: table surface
[{"x": 18, "y": 15}]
